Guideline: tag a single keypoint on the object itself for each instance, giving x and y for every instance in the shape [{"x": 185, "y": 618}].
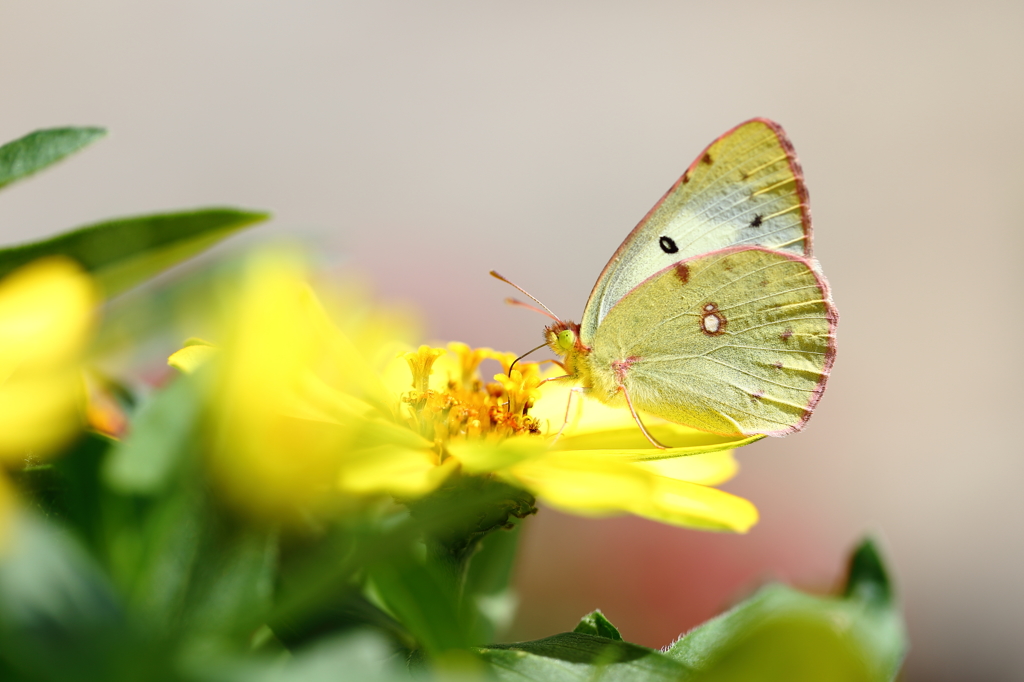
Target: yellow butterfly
[{"x": 712, "y": 312}]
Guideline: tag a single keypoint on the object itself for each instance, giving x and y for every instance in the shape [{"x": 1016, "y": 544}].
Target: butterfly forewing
[
  {"x": 739, "y": 341},
  {"x": 745, "y": 189}
]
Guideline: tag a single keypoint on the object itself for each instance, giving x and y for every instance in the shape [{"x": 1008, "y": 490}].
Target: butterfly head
[{"x": 564, "y": 338}]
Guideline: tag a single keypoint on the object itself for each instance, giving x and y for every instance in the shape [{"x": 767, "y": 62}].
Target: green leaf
[
  {"x": 579, "y": 657},
  {"x": 785, "y": 635},
  {"x": 27, "y": 155},
  {"x": 45, "y": 576},
  {"x": 230, "y": 584},
  {"x": 60, "y": 619},
  {"x": 595, "y": 623},
  {"x": 420, "y": 598},
  {"x": 56, "y": 610},
  {"x": 364, "y": 656},
  {"x": 182, "y": 560},
  {"x": 143, "y": 462},
  {"x": 124, "y": 252},
  {"x": 68, "y": 489},
  {"x": 488, "y": 592},
  {"x": 868, "y": 580},
  {"x": 189, "y": 568}
]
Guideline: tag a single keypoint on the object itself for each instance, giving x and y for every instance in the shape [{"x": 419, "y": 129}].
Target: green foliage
[
  {"x": 34, "y": 152},
  {"x": 122, "y": 253},
  {"x": 595, "y": 623},
  {"x": 574, "y": 656},
  {"x": 778, "y": 634},
  {"x": 119, "y": 253},
  {"x": 144, "y": 461},
  {"x": 783, "y": 634}
]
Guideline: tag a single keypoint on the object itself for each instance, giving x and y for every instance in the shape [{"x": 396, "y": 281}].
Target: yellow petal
[
  {"x": 583, "y": 484},
  {"x": 393, "y": 470},
  {"x": 46, "y": 313},
  {"x": 190, "y": 358},
  {"x": 697, "y": 506},
  {"x": 39, "y": 413},
  {"x": 594, "y": 485},
  {"x": 711, "y": 468},
  {"x": 485, "y": 456},
  {"x": 284, "y": 465}
]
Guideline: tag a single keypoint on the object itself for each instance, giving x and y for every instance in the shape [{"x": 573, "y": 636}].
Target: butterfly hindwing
[
  {"x": 738, "y": 341},
  {"x": 745, "y": 189}
]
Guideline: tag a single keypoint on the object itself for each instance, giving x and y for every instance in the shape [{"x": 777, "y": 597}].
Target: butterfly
[{"x": 712, "y": 313}]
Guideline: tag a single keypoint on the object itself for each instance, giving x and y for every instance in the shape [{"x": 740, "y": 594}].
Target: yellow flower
[
  {"x": 314, "y": 411},
  {"x": 46, "y": 318},
  {"x": 602, "y": 465},
  {"x": 291, "y": 393}
]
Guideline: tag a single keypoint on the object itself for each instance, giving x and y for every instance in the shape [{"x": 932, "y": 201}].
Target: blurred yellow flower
[
  {"x": 308, "y": 406},
  {"x": 292, "y": 392},
  {"x": 46, "y": 318}
]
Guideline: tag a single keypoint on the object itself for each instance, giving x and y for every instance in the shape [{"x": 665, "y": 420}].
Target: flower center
[{"x": 467, "y": 407}]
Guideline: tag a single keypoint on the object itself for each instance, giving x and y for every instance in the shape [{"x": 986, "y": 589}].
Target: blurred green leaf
[
  {"x": 785, "y": 635},
  {"x": 580, "y": 657},
  {"x": 59, "y": 618},
  {"x": 360, "y": 657},
  {"x": 231, "y": 584},
  {"x": 191, "y": 570},
  {"x": 47, "y": 580},
  {"x": 488, "y": 592},
  {"x": 124, "y": 252},
  {"x": 68, "y": 489},
  {"x": 420, "y": 597},
  {"x": 145, "y": 460},
  {"x": 37, "y": 150},
  {"x": 490, "y": 571},
  {"x": 867, "y": 578},
  {"x": 183, "y": 561},
  {"x": 595, "y": 623}
]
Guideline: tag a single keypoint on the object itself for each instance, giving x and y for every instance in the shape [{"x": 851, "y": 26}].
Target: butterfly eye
[{"x": 566, "y": 339}]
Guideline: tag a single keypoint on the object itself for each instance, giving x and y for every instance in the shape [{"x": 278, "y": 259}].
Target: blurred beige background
[{"x": 425, "y": 143}]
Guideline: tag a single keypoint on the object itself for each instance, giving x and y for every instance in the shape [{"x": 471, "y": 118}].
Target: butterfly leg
[
  {"x": 568, "y": 405},
  {"x": 636, "y": 418},
  {"x": 562, "y": 377}
]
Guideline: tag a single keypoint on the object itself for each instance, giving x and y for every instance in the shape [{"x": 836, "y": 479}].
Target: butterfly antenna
[
  {"x": 522, "y": 304},
  {"x": 512, "y": 301}
]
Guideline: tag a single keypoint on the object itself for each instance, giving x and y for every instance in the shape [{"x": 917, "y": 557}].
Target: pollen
[
  {"x": 466, "y": 407},
  {"x": 521, "y": 389},
  {"x": 420, "y": 363}
]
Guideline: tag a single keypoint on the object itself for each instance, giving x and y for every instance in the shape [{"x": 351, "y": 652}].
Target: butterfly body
[{"x": 712, "y": 313}]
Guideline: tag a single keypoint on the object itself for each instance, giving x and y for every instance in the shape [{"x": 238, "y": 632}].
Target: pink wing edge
[
  {"x": 831, "y": 314},
  {"x": 794, "y": 165}
]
